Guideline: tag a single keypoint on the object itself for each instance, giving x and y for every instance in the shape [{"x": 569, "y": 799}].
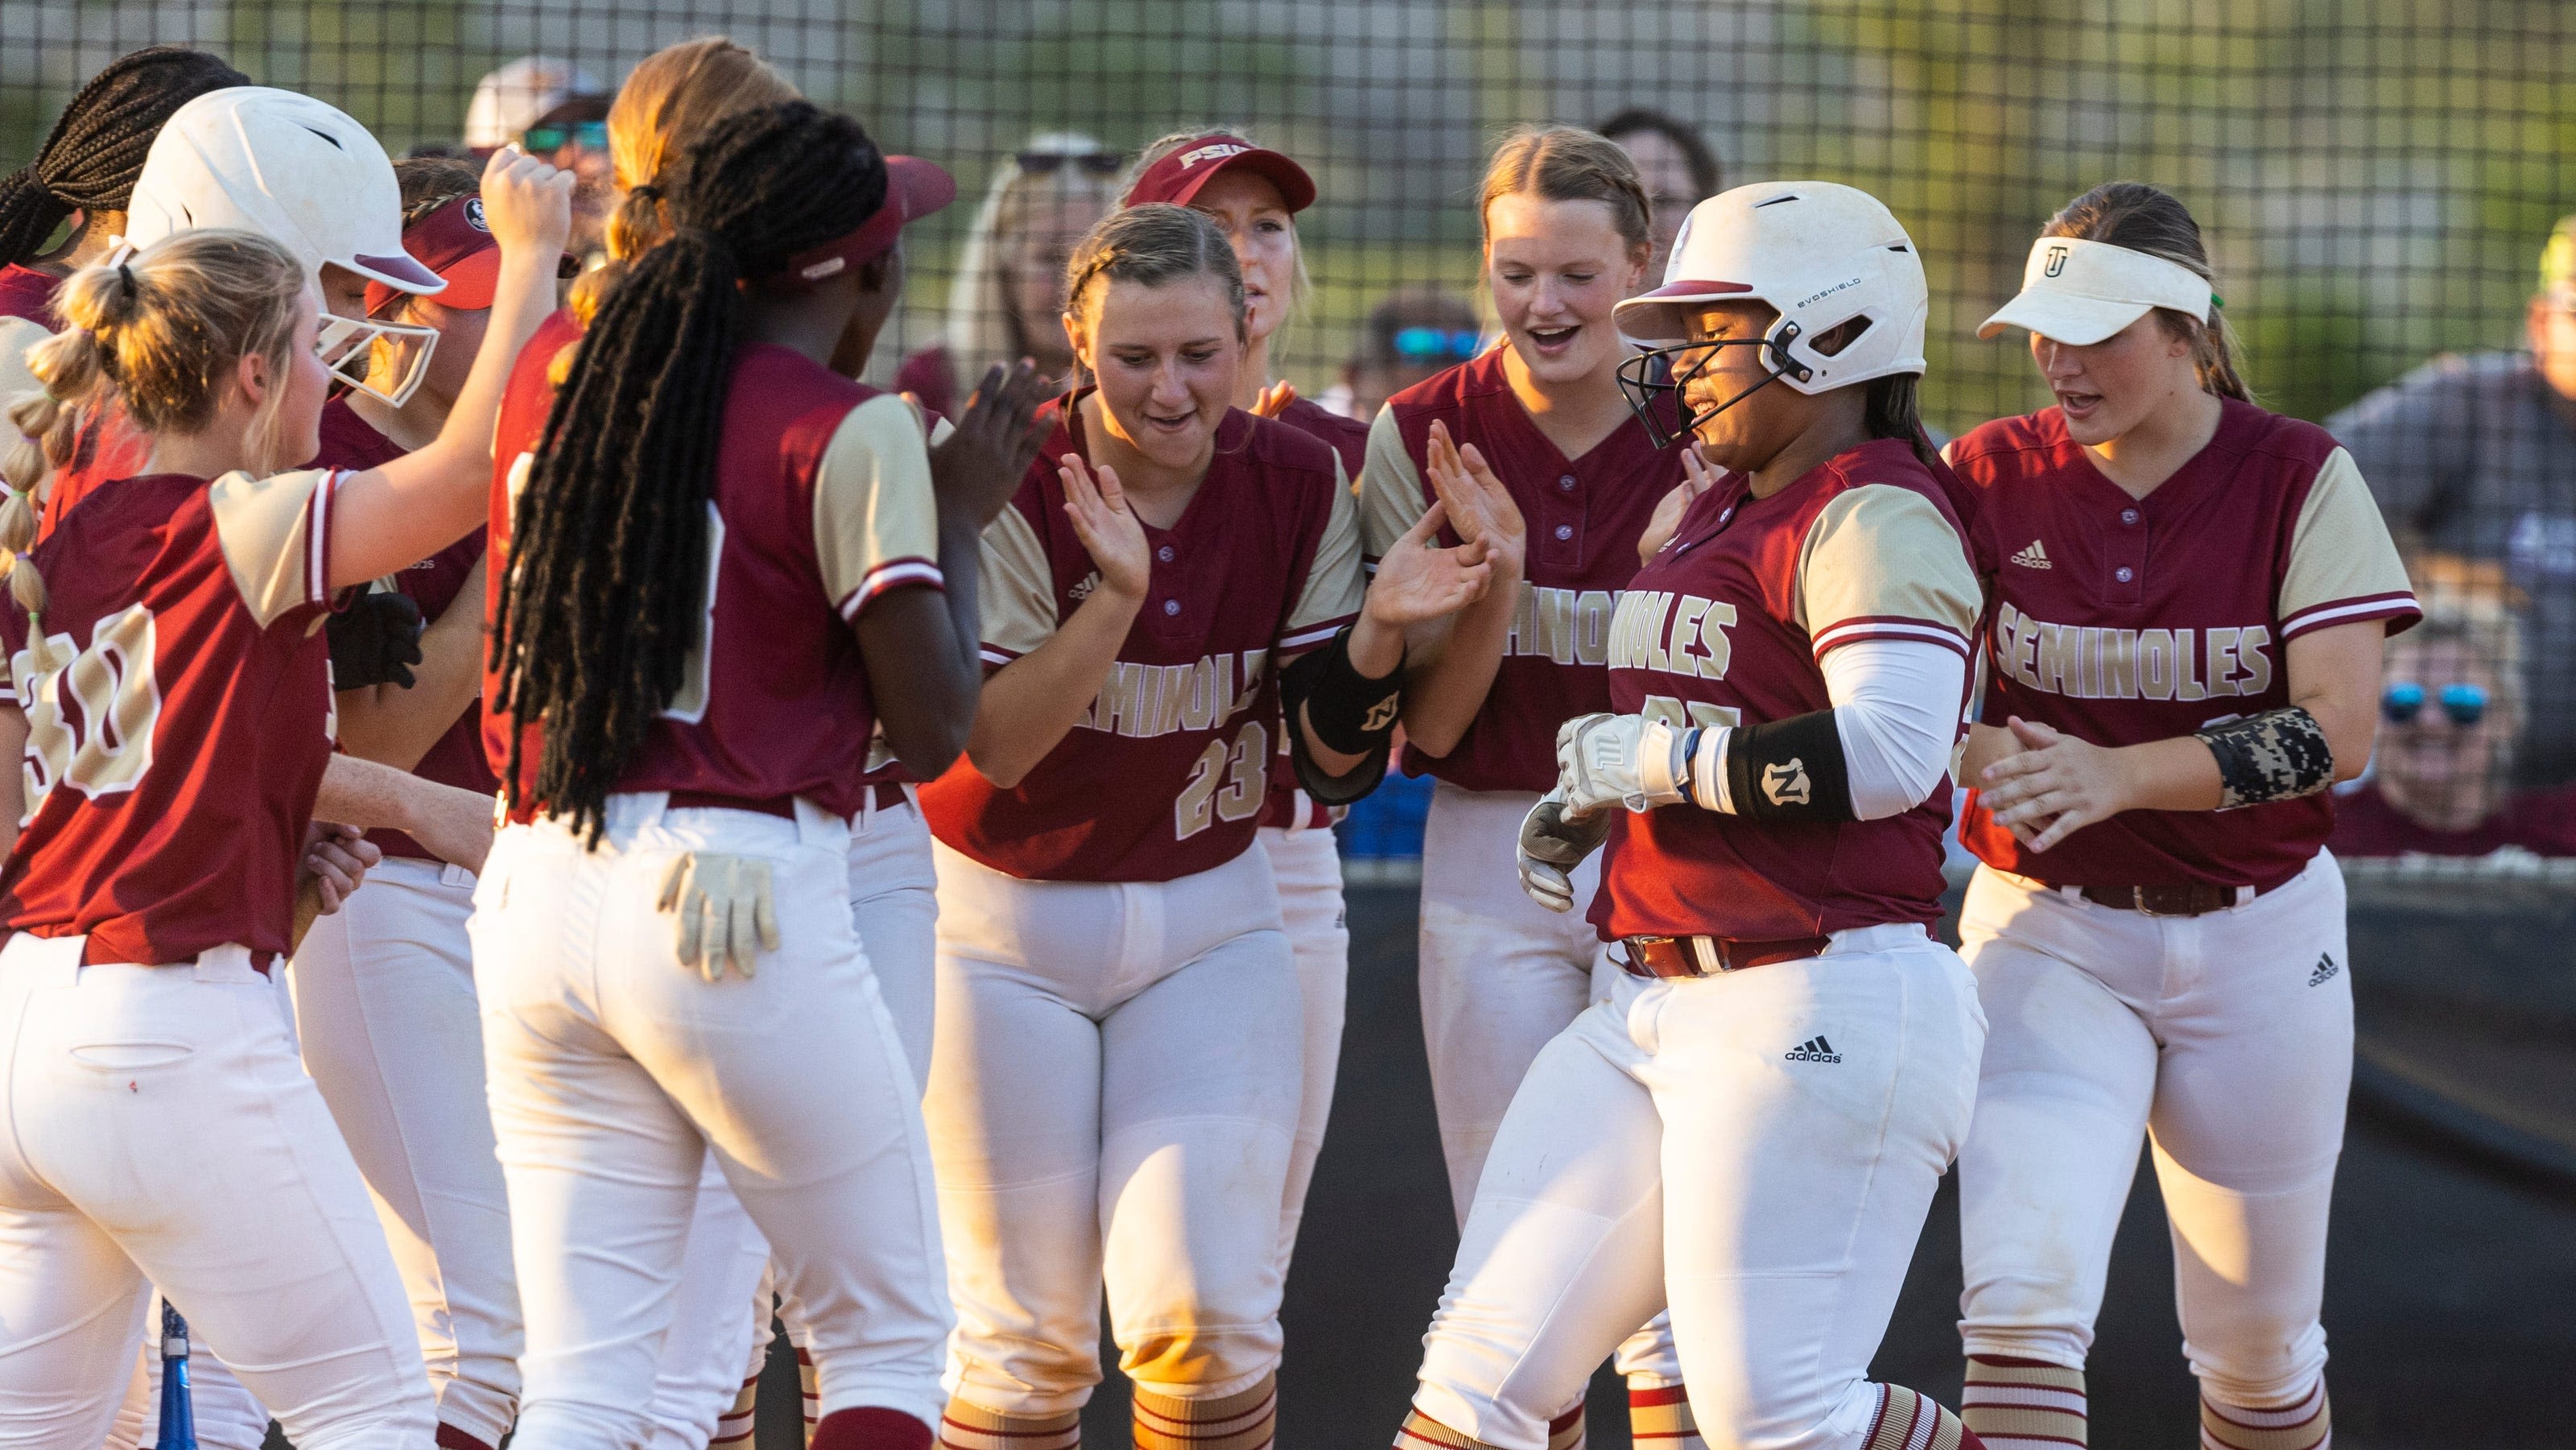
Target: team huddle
[{"x": 556, "y": 822}]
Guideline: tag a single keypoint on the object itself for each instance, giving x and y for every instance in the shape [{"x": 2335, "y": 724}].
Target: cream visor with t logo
[{"x": 2079, "y": 292}]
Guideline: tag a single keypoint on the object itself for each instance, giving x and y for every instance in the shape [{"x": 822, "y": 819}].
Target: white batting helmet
[
  {"x": 1819, "y": 254},
  {"x": 306, "y": 176}
]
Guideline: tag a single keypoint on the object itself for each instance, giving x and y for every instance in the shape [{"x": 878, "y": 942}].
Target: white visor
[{"x": 2079, "y": 292}]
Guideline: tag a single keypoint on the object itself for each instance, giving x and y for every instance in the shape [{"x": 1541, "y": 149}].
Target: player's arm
[
  {"x": 923, "y": 647},
  {"x": 1344, "y": 696},
  {"x": 1033, "y": 701},
  {"x": 396, "y": 515},
  {"x": 1451, "y": 659},
  {"x": 452, "y": 824},
  {"x": 397, "y": 724},
  {"x": 2056, "y": 784}
]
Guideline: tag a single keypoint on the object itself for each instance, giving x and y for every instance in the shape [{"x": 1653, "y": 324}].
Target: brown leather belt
[
  {"x": 2195, "y": 898},
  {"x": 781, "y": 806},
  {"x": 1708, "y": 956}
]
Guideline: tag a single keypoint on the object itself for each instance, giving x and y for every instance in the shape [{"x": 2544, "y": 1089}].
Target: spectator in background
[
  {"x": 1679, "y": 169},
  {"x": 556, "y": 111},
  {"x": 2440, "y": 781},
  {"x": 2473, "y": 460},
  {"x": 1412, "y": 333},
  {"x": 1006, "y": 301}
]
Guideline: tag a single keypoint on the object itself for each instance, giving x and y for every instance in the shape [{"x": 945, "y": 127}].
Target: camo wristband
[{"x": 2278, "y": 755}]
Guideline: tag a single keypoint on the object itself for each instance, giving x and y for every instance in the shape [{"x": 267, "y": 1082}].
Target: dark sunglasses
[
  {"x": 1415, "y": 344},
  {"x": 539, "y": 140},
  {"x": 1048, "y": 163},
  {"x": 2465, "y": 703}
]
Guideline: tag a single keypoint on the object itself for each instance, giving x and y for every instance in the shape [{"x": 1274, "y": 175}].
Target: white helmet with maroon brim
[
  {"x": 1820, "y": 255},
  {"x": 304, "y": 175}
]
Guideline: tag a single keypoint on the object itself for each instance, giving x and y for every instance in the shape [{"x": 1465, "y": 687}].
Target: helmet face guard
[
  {"x": 1653, "y": 380},
  {"x": 347, "y": 346}
]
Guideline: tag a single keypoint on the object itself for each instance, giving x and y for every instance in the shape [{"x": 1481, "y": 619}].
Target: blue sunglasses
[
  {"x": 1415, "y": 344},
  {"x": 2464, "y": 703}
]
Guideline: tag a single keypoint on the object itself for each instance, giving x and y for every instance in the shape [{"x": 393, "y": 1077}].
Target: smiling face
[
  {"x": 1557, "y": 268},
  {"x": 2446, "y": 776},
  {"x": 1753, "y": 431},
  {"x": 2110, "y": 387},
  {"x": 1256, "y": 221},
  {"x": 1166, "y": 358}
]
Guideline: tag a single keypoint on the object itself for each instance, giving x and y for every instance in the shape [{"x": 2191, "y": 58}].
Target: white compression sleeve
[{"x": 1896, "y": 706}]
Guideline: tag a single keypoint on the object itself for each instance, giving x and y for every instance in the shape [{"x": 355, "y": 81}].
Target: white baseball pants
[
  {"x": 1501, "y": 976},
  {"x": 159, "y": 1123},
  {"x": 1306, "y": 865},
  {"x": 721, "y": 1318},
  {"x": 384, "y": 1004},
  {"x": 1113, "y": 1097},
  {"x": 2228, "y": 1037},
  {"x": 1668, "y": 1149},
  {"x": 614, "y": 1069}
]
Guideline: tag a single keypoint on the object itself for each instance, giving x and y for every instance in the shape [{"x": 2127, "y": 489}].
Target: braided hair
[
  {"x": 90, "y": 160},
  {"x": 607, "y": 578}
]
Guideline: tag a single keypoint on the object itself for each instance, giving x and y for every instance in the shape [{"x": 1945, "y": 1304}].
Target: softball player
[
  {"x": 1116, "y": 1086},
  {"x": 708, "y": 678},
  {"x": 2189, "y": 599},
  {"x": 1254, "y": 195},
  {"x": 1570, "y": 479},
  {"x": 384, "y": 989},
  {"x": 151, "y": 1067},
  {"x": 1750, "y": 1129}
]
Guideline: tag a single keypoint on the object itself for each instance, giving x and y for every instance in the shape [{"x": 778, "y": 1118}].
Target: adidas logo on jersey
[
  {"x": 1814, "y": 1049},
  {"x": 2033, "y": 557},
  {"x": 2325, "y": 971},
  {"x": 1082, "y": 591}
]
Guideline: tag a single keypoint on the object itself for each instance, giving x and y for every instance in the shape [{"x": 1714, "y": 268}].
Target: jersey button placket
[{"x": 2127, "y": 561}]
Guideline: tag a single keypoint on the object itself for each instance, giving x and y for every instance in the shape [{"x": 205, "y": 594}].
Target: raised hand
[
  {"x": 527, "y": 203},
  {"x": 1107, "y": 528},
  {"x": 1274, "y": 399},
  {"x": 979, "y": 465},
  {"x": 1698, "y": 477},
  {"x": 1480, "y": 508},
  {"x": 1418, "y": 581}
]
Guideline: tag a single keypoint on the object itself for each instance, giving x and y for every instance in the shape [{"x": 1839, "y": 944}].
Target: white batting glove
[
  {"x": 723, "y": 912},
  {"x": 1626, "y": 760},
  {"x": 1554, "y": 842}
]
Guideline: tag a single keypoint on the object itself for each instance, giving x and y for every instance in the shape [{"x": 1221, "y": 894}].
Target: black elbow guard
[
  {"x": 2278, "y": 755},
  {"x": 1789, "y": 770},
  {"x": 1349, "y": 712}
]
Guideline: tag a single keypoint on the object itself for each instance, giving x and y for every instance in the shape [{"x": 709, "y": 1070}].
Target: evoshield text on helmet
[{"x": 1820, "y": 255}]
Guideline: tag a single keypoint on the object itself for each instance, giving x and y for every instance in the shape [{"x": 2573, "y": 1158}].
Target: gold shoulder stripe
[
  {"x": 1883, "y": 553},
  {"x": 275, "y": 533},
  {"x": 1017, "y": 593},
  {"x": 876, "y": 522},
  {"x": 1392, "y": 498},
  {"x": 2343, "y": 566}
]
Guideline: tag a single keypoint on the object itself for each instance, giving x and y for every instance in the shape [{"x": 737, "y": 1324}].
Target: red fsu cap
[
  {"x": 914, "y": 189},
  {"x": 1179, "y": 175},
  {"x": 455, "y": 243}
]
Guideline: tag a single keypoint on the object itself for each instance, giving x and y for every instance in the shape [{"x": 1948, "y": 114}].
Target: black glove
[{"x": 374, "y": 641}]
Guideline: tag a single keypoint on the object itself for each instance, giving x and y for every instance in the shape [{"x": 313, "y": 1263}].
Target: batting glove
[
  {"x": 723, "y": 911},
  {"x": 1627, "y": 760},
  {"x": 375, "y": 641},
  {"x": 1554, "y": 842}
]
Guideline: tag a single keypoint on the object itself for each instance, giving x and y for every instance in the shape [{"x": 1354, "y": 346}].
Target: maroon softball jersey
[
  {"x": 1584, "y": 517},
  {"x": 176, "y": 744},
  {"x": 1166, "y": 775},
  {"x": 822, "y": 504},
  {"x": 1728, "y": 626},
  {"x": 2121, "y": 620}
]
